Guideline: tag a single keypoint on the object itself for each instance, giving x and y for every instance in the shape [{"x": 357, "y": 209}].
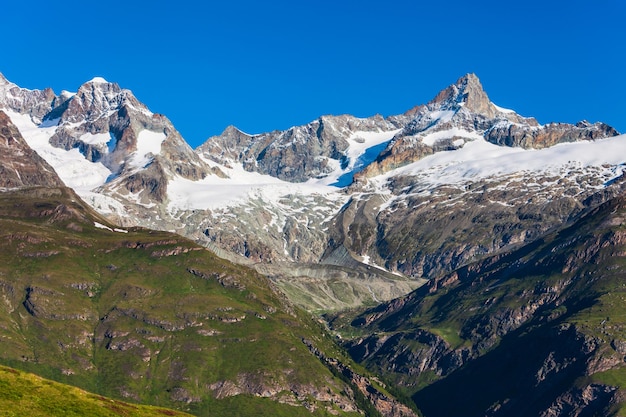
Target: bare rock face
[
  {"x": 426, "y": 232},
  {"x": 525, "y": 327},
  {"x": 297, "y": 154},
  {"x": 467, "y": 92},
  {"x": 20, "y": 166},
  {"x": 549, "y": 135},
  {"x": 593, "y": 399},
  {"x": 36, "y": 103},
  {"x": 94, "y": 99}
]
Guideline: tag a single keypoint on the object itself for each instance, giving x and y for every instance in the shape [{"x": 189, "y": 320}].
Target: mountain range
[
  {"x": 466, "y": 227},
  {"x": 342, "y": 192}
]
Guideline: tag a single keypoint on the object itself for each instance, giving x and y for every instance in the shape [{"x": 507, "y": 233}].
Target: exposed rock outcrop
[
  {"x": 20, "y": 166},
  {"x": 297, "y": 154},
  {"x": 35, "y": 103},
  {"x": 525, "y": 326}
]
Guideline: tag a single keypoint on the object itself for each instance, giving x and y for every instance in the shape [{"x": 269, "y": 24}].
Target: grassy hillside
[
  {"x": 151, "y": 317},
  {"x": 538, "y": 331},
  {"x": 24, "y": 394}
]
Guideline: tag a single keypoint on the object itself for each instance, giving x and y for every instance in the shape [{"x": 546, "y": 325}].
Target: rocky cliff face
[
  {"x": 20, "y": 166},
  {"x": 297, "y": 154},
  {"x": 427, "y": 231},
  {"x": 35, "y": 103},
  {"x": 524, "y": 326}
]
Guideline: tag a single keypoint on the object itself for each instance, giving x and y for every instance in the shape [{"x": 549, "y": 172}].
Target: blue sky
[{"x": 270, "y": 65}]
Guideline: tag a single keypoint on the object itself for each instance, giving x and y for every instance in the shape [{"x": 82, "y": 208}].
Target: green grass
[
  {"x": 27, "y": 395},
  {"x": 451, "y": 336},
  {"x": 561, "y": 299},
  {"x": 615, "y": 378},
  {"x": 149, "y": 317}
]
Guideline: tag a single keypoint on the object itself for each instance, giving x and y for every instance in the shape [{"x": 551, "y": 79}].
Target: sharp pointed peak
[
  {"x": 469, "y": 78},
  {"x": 232, "y": 129},
  {"x": 467, "y": 92}
]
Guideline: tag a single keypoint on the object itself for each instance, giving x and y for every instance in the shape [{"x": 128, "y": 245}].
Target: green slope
[
  {"x": 538, "y": 331},
  {"x": 152, "y": 318},
  {"x": 27, "y": 395}
]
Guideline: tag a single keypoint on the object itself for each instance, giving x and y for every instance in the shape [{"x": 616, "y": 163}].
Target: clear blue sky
[{"x": 266, "y": 65}]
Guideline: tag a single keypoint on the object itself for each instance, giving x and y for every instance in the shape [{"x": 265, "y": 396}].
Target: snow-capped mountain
[
  {"x": 463, "y": 113},
  {"x": 103, "y": 142},
  {"x": 373, "y": 203},
  {"x": 317, "y": 150}
]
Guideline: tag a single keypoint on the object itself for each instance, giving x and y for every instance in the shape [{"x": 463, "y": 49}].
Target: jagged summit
[
  {"x": 234, "y": 130},
  {"x": 95, "y": 99},
  {"x": 467, "y": 92}
]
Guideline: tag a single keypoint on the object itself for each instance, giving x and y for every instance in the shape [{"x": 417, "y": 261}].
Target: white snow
[
  {"x": 67, "y": 94},
  {"x": 98, "y": 80},
  {"x": 101, "y": 226},
  {"x": 365, "y": 259},
  {"x": 432, "y": 138},
  {"x": 502, "y": 109},
  {"x": 361, "y": 141},
  {"x": 442, "y": 116},
  {"x": 102, "y": 203},
  {"x": 214, "y": 192},
  {"x": 148, "y": 145},
  {"x": 458, "y": 143},
  {"x": 75, "y": 171},
  {"x": 480, "y": 159},
  {"x": 359, "y": 154},
  {"x": 95, "y": 139}
]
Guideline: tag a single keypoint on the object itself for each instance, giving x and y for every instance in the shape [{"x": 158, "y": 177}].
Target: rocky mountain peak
[
  {"x": 94, "y": 98},
  {"x": 467, "y": 92},
  {"x": 233, "y": 130},
  {"x": 35, "y": 103}
]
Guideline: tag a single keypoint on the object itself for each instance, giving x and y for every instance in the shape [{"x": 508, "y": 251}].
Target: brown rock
[{"x": 20, "y": 166}]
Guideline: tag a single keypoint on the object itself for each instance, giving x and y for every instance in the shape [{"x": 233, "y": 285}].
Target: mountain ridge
[{"x": 287, "y": 198}]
